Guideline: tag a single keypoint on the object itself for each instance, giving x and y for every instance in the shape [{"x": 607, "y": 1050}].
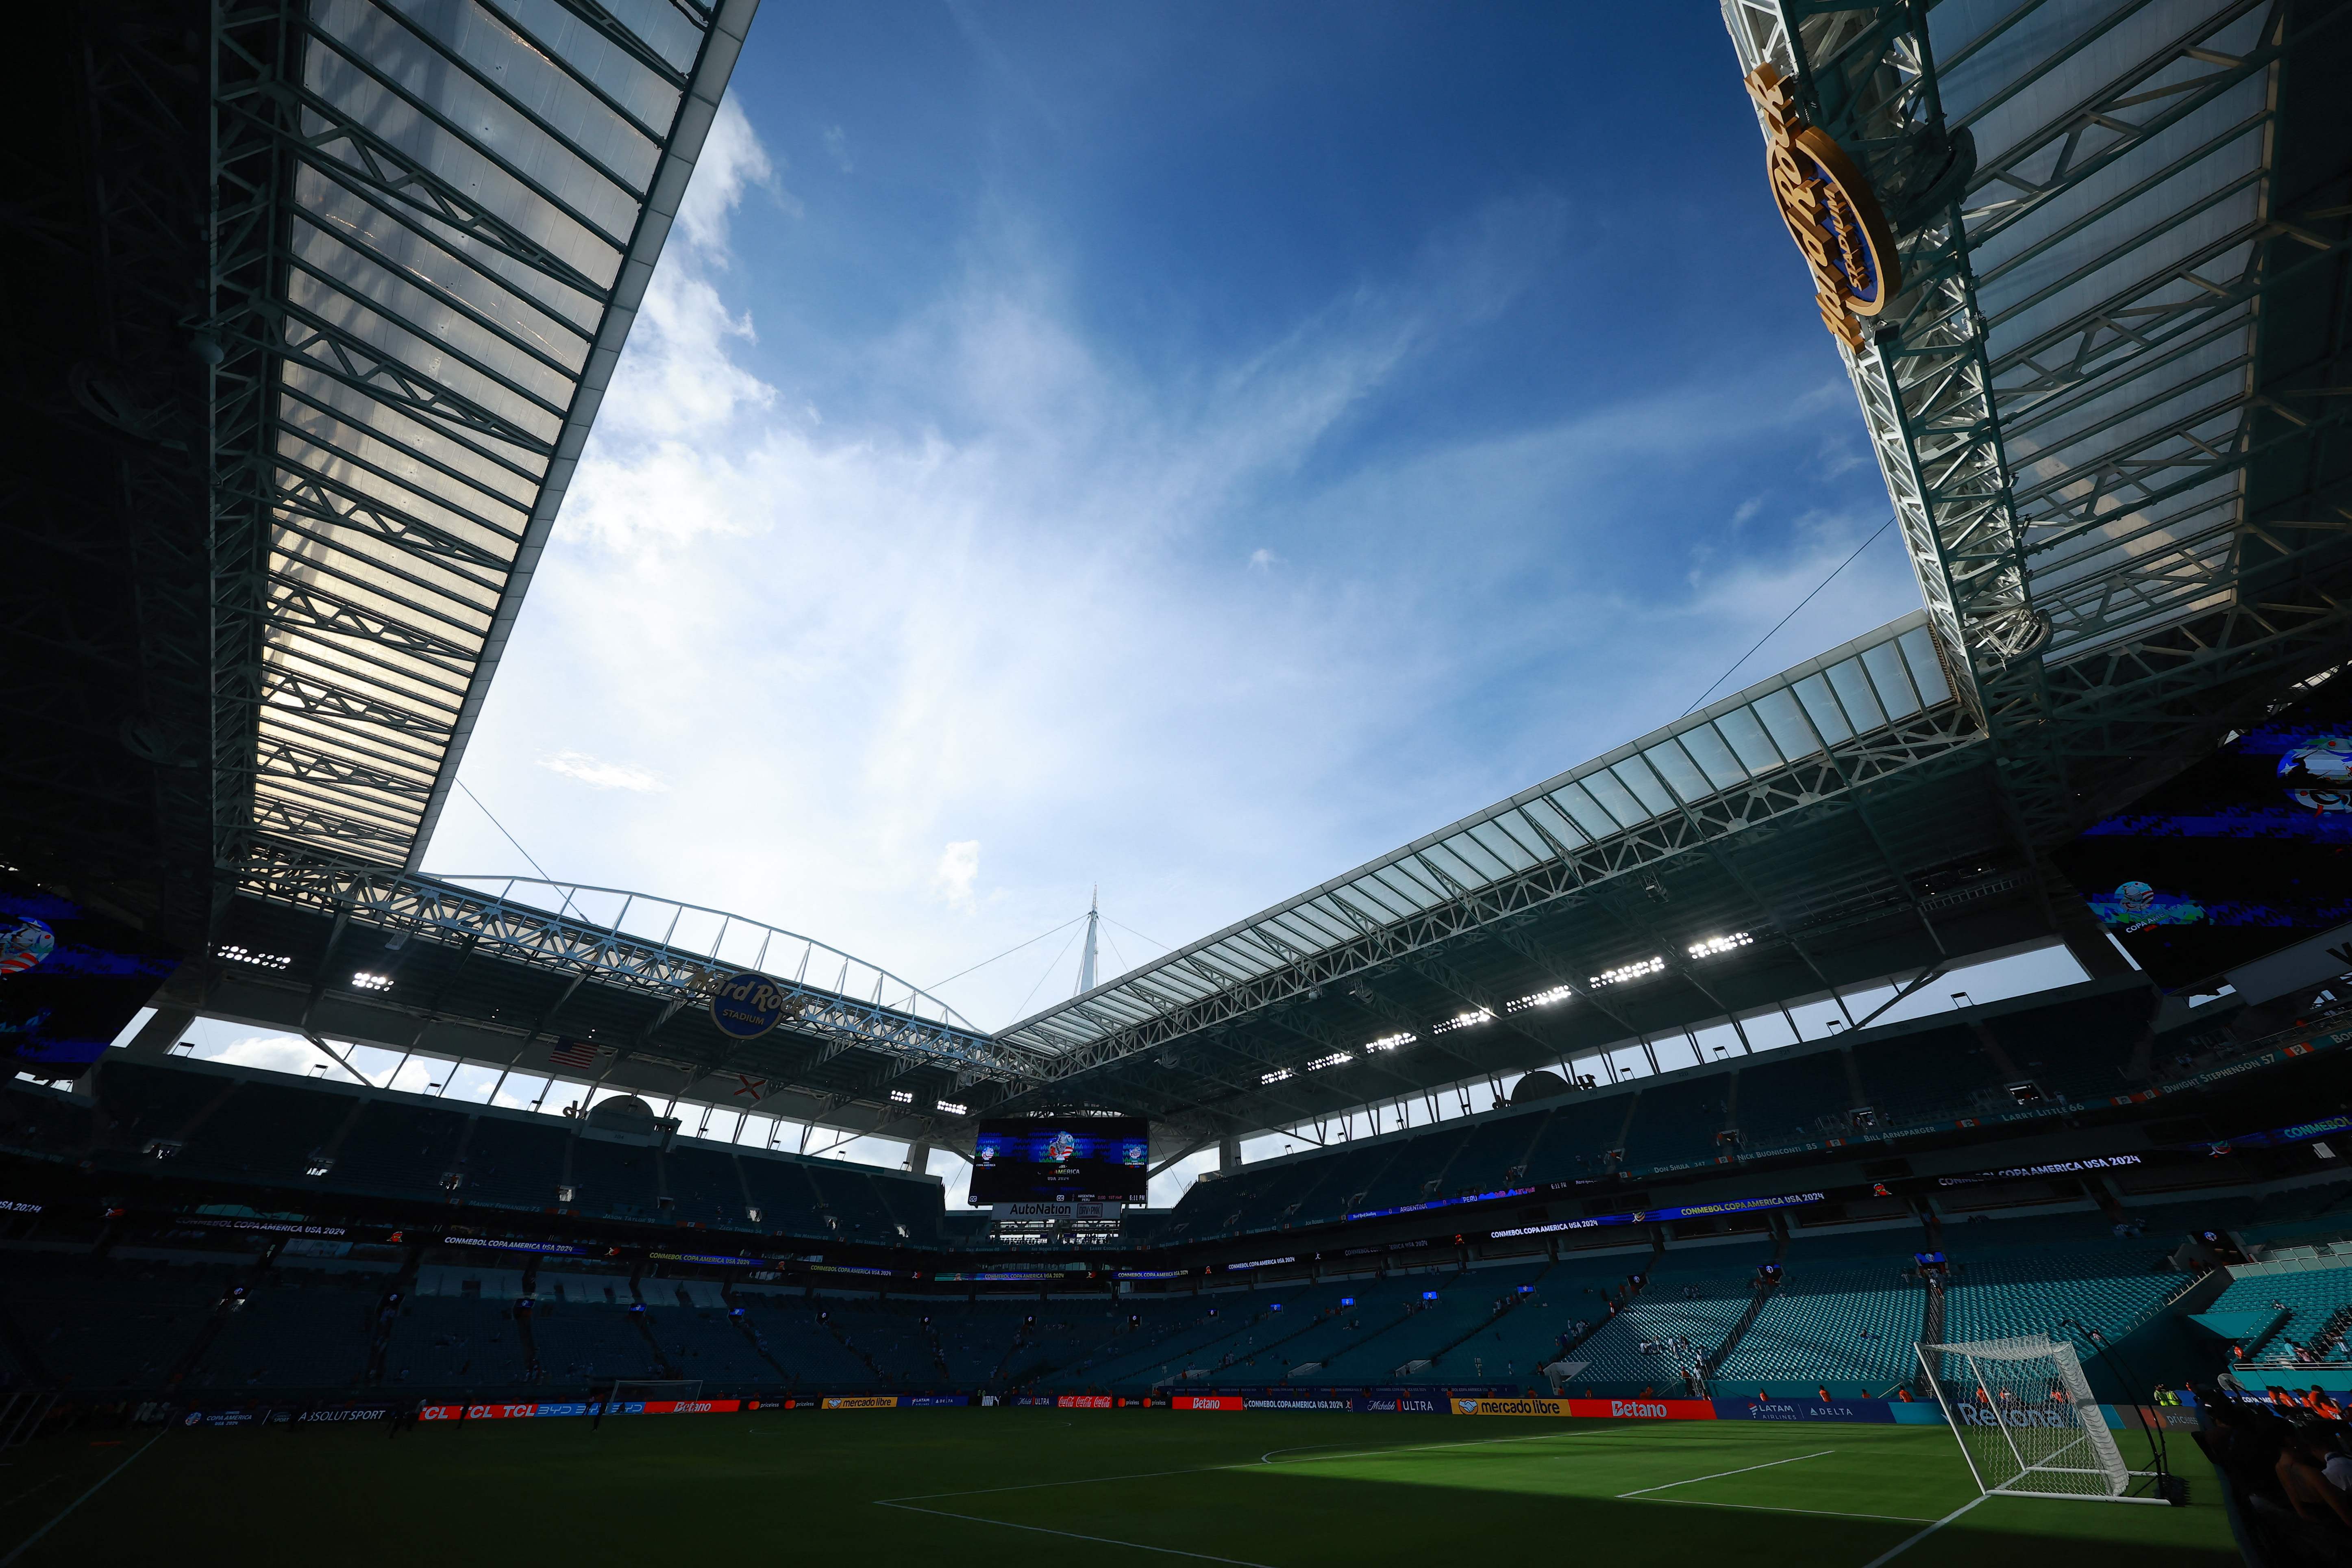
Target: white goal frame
[{"x": 2094, "y": 1470}]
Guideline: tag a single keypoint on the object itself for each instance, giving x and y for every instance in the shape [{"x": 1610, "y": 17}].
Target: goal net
[{"x": 2025, "y": 1419}]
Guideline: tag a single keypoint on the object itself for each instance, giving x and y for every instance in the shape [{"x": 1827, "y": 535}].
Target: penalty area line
[
  {"x": 1769, "y": 1463},
  {"x": 27, "y": 1544},
  {"x": 1267, "y": 1458},
  {"x": 1074, "y": 1535},
  {"x": 1763, "y": 1508},
  {"x": 1893, "y": 1553}
]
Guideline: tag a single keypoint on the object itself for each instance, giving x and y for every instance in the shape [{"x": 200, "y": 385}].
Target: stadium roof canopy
[
  {"x": 275, "y": 525},
  {"x": 334, "y": 290},
  {"x": 447, "y": 215},
  {"x": 2107, "y": 393}
]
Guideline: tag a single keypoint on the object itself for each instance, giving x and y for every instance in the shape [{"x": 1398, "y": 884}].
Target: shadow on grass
[{"x": 1275, "y": 1517}]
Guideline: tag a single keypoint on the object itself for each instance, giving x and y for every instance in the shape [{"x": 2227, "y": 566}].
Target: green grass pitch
[{"x": 1022, "y": 1486}]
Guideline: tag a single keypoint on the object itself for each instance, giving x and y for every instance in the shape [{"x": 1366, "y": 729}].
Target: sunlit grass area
[{"x": 1274, "y": 1490}]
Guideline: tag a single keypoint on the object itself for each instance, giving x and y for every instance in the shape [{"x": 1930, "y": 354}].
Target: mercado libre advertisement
[
  {"x": 2247, "y": 852},
  {"x": 70, "y": 979}
]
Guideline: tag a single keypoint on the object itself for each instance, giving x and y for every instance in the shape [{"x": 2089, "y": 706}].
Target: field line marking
[
  {"x": 1762, "y": 1508},
  {"x": 1718, "y": 1475},
  {"x": 1267, "y": 1458},
  {"x": 1234, "y": 1465},
  {"x": 1068, "y": 1534},
  {"x": 1035, "y": 1485},
  {"x": 27, "y": 1544},
  {"x": 1884, "y": 1557}
]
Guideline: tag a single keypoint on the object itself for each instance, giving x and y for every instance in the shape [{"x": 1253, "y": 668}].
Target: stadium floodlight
[
  {"x": 367, "y": 982},
  {"x": 1337, "y": 1058},
  {"x": 1280, "y": 1074},
  {"x": 1390, "y": 1042},
  {"x": 953, "y": 1109},
  {"x": 2023, "y": 1414},
  {"x": 901, "y": 1097},
  {"x": 1625, "y": 971},
  {"x": 1714, "y": 945}
]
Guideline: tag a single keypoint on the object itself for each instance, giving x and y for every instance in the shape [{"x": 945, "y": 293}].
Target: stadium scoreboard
[{"x": 1061, "y": 1159}]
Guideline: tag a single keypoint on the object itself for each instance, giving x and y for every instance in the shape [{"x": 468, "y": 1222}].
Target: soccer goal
[{"x": 2025, "y": 1419}]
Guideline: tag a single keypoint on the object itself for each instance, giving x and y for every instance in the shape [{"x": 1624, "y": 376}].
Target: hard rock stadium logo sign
[
  {"x": 1831, "y": 211},
  {"x": 746, "y": 1006}
]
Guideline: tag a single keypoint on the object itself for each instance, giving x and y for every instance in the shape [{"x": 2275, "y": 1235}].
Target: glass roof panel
[
  {"x": 466, "y": 192},
  {"x": 1715, "y": 748}
]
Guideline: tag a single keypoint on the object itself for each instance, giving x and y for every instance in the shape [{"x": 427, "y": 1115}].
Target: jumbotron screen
[
  {"x": 2247, "y": 852},
  {"x": 70, "y": 979},
  {"x": 1073, "y": 1159}
]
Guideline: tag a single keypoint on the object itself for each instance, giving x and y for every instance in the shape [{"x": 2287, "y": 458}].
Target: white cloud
[
  {"x": 989, "y": 598},
  {"x": 600, "y": 775},
  {"x": 732, "y": 160},
  {"x": 836, "y": 147},
  {"x": 210, "y": 1040},
  {"x": 959, "y": 868}
]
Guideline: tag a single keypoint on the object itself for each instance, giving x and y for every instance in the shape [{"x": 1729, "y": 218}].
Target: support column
[
  {"x": 156, "y": 1038},
  {"x": 1229, "y": 1155},
  {"x": 919, "y": 1157}
]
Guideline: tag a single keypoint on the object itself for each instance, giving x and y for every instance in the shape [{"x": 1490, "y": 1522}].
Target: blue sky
[{"x": 1187, "y": 448}]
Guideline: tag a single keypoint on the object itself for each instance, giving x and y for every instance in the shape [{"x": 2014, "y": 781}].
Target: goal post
[{"x": 2025, "y": 1419}]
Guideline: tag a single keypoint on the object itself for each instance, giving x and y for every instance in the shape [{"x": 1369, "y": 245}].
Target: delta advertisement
[{"x": 70, "y": 979}]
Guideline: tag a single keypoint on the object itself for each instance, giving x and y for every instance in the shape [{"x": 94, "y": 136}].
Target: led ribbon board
[{"x": 1831, "y": 211}]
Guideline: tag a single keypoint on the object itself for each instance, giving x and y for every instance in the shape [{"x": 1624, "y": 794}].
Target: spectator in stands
[{"x": 2302, "y": 1471}]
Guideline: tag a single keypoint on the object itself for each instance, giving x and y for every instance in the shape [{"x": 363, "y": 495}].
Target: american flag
[{"x": 575, "y": 1054}]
